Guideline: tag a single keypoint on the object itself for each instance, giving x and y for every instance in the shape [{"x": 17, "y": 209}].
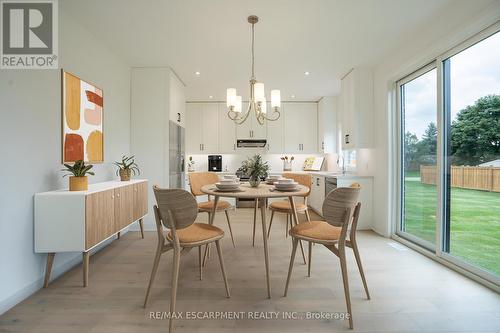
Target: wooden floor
[{"x": 410, "y": 293}]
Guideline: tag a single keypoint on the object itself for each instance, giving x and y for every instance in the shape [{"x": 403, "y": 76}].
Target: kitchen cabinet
[
  {"x": 227, "y": 131},
  {"x": 176, "y": 99},
  {"x": 123, "y": 206},
  {"x": 356, "y": 109},
  {"x": 301, "y": 127},
  {"x": 317, "y": 195},
  {"x": 275, "y": 134},
  {"x": 327, "y": 125},
  {"x": 250, "y": 129},
  {"x": 202, "y": 123}
]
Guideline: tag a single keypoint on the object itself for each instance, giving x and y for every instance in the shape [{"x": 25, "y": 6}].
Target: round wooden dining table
[{"x": 262, "y": 192}]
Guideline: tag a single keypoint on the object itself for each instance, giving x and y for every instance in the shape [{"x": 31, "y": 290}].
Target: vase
[
  {"x": 78, "y": 183},
  {"x": 125, "y": 174},
  {"x": 254, "y": 181},
  {"x": 287, "y": 165}
]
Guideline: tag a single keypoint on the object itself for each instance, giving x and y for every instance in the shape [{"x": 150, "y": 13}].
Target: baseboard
[{"x": 57, "y": 271}]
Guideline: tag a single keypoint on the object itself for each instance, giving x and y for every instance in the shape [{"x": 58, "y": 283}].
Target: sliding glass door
[
  {"x": 472, "y": 188},
  {"x": 417, "y": 96},
  {"x": 449, "y": 155}
]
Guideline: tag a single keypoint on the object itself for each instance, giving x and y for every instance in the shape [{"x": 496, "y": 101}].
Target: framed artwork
[{"x": 82, "y": 120}]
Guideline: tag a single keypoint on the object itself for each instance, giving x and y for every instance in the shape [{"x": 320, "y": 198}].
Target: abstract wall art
[{"x": 82, "y": 120}]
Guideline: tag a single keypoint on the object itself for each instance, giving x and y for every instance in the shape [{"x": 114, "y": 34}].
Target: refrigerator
[{"x": 176, "y": 156}]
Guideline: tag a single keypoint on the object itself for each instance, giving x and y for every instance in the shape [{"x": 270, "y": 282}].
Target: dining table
[{"x": 260, "y": 193}]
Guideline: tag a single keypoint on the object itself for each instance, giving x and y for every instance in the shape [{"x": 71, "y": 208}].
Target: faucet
[{"x": 339, "y": 158}]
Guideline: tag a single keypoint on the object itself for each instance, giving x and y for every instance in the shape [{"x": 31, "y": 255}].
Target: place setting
[
  {"x": 284, "y": 185},
  {"x": 229, "y": 183}
]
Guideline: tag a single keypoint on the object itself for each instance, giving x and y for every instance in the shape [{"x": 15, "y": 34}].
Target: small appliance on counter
[{"x": 215, "y": 163}]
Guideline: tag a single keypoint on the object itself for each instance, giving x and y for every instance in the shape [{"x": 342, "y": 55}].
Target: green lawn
[{"x": 475, "y": 221}]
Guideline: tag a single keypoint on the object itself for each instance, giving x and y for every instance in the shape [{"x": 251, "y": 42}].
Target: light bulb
[
  {"x": 275, "y": 98},
  {"x": 230, "y": 97},
  {"x": 237, "y": 104},
  {"x": 259, "y": 91}
]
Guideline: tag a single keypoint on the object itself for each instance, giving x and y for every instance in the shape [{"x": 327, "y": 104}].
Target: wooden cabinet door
[
  {"x": 124, "y": 208},
  {"x": 140, "y": 200},
  {"x": 99, "y": 217}
]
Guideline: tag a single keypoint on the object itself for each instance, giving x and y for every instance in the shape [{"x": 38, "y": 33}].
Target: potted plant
[
  {"x": 79, "y": 180},
  {"x": 191, "y": 164},
  {"x": 255, "y": 169},
  {"x": 126, "y": 167}
]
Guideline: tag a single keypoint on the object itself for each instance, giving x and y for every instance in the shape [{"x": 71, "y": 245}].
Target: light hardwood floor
[{"x": 410, "y": 293}]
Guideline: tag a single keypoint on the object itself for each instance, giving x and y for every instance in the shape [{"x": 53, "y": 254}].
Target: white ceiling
[{"x": 324, "y": 37}]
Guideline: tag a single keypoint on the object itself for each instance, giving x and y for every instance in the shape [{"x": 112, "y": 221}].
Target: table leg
[
  {"x": 211, "y": 222},
  {"x": 296, "y": 222},
  {"x": 266, "y": 252},
  {"x": 86, "y": 256}
]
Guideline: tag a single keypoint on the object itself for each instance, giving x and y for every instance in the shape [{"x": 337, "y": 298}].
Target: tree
[
  {"x": 427, "y": 147},
  {"x": 475, "y": 135},
  {"x": 410, "y": 151}
]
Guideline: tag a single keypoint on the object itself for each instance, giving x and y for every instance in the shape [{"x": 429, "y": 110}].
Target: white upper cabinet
[
  {"x": 177, "y": 100},
  {"x": 202, "y": 127},
  {"x": 356, "y": 105},
  {"x": 275, "y": 134},
  {"x": 327, "y": 125},
  {"x": 250, "y": 129},
  {"x": 301, "y": 127},
  {"x": 227, "y": 131}
]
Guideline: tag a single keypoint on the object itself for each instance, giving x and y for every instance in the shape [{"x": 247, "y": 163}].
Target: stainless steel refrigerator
[{"x": 176, "y": 156}]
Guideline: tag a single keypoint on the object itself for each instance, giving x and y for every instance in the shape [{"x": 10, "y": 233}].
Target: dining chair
[
  {"x": 199, "y": 179},
  {"x": 283, "y": 206},
  {"x": 176, "y": 209},
  {"x": 340, "y": 209}
]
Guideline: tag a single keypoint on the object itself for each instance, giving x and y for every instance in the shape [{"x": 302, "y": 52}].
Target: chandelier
[{"x": 257, "y": 103}]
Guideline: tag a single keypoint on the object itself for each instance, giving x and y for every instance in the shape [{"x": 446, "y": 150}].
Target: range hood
[{"x": 251, "y": 143}]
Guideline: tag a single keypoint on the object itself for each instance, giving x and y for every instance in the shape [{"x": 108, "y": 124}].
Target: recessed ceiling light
[
  {"x": 197, "y": 73},
  {"x": 306, "y": 73},
  {"x": 210, "y": 96},
  {"x": 292, "y": 96}
]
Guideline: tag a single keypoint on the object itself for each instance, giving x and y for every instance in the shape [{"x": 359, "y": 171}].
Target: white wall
[
  {"x": 30, "y": 149},
  {"x": 444, "y": 31},
  {"x": 156, "y": 95}
]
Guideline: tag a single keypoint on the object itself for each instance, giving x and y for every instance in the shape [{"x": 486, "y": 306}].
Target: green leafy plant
[
  {"x": 128, "y": 163},
  {"x": 255, "y": 168},
  {"x": 79, "y": 169}
]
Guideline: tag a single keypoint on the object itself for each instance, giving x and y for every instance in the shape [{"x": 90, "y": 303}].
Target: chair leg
[
  {"x": 141, "y": 225},
  {"x": 200, "y": 263},
  {"x": 254, "y": 220},
  {"x": 292, "y": 259},
  {"x": 230, "y": 229},
  {"x": 153, "y": 274},
  {"x": 343, "y": 266},
  {"x": 221, "y": 260},
  {"x": 173, "y": 295},
  {"x": 360, "y": 267},
  {"x": 270, "y": 223},
  {"x": 309, "y": 256}
]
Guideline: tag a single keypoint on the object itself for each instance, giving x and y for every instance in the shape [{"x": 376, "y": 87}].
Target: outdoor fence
[{"x": 475, "y": 178}]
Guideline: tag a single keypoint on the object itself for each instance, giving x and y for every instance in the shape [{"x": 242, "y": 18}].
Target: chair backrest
[
  {"x": 303, "y": 179},
  {"x": 355, "y": 185},
  {"x": 199, "y": 179},
  {"x": 177, "y": 208},
  {"x": 337, "y": 203}
]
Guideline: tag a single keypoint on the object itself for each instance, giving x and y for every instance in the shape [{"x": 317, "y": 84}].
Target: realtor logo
[{"x": 28, "y": 34}]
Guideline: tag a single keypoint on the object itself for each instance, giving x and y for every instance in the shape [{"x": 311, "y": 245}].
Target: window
[
  {"x": 472, "y": 110},
  {"x": 449, "y": 155},
  {"x": 418, "y": 107}
]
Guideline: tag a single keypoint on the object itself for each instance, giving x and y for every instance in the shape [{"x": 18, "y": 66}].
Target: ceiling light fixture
[
  {"x": 197, "y": 73},
  {"x": 210, "y": 96},
  {"x": 257, "y": 101},
  {"x": 306, "y": 73},
  {"x": 292, "y": 96}
]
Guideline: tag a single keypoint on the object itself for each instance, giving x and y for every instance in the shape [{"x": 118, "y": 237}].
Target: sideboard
[{"x": 78, "y": 221}]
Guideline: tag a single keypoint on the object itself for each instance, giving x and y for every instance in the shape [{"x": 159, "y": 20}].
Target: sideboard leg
[
  {"x": 118, "y": 235},
  {"x": 48, "y": 268},
  {"x": 141, "y": 225},
  {"x": 86, "y": 256}
]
